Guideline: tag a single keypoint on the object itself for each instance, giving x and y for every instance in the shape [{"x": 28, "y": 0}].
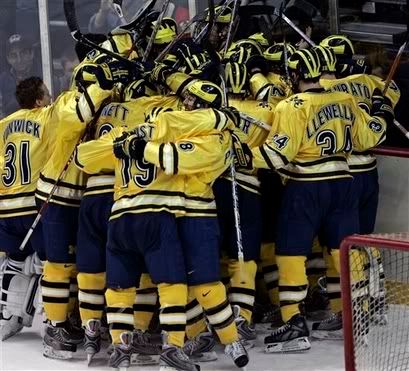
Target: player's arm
[
  {"x": 369, "y": 130},
  {"x": 283, "y": 144},
  {"x": 191, "y": 156},
  {"x": 97, "y": 156}
]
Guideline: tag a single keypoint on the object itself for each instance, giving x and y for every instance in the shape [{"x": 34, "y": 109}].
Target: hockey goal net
[{"x": 375, "y": 294}]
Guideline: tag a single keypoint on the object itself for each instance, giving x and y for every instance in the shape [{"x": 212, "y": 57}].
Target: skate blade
[
  {"x": 296, "y": 345},
  {"x": 204, "y": 357},
  {"x": 248, "y": 344},
  {"x": 144, "y": 360},
  {"x": 168, "y": 368},
  {"x": 328, "y": 335},
  {"x": 90, "y": 356},
  {"x": 49, "y": 352}
]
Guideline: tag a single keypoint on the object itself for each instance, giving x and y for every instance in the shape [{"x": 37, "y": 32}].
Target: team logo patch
[
  {"x": 186, "y": 146},
  {"x": 375, "y": 126},
  {"x": 297, "y": 102}
]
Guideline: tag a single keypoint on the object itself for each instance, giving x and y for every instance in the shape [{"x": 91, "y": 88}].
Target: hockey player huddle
[{"x": 144, "y": 218}]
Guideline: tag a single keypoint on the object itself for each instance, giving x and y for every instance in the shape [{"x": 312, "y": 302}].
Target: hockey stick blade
[{"x": 138, "y": 17}]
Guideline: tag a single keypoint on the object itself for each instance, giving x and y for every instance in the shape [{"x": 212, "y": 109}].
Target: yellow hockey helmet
[
  {"x": 328, "y": 58},
  {"x": 166, "y": 32},
  {"x": 260, "y": 38},
  {"x": 236, "y": 77},
  {"x": 275, "y": 53},
  {"x": 206, "y": 91},
  {"x": 223, "y": 17},
  {"x": 306, "y": 63},
  {"x": 341, "y": 45}
]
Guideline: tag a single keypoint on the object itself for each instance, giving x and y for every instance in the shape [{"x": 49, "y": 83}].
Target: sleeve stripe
[
  {"x": 161, "y": 156},
  {"x": 266, "y": 158},
  {"x": 283, "y": 158},
  {"x": 77, "y": 109},
  {"x": 76, "y": 160},
  {"x": 90, "y": 102},
  {"x": 168, "y": 161},
  {"x": 217, "y": 116},
  {"x": 175, "y": 159}
]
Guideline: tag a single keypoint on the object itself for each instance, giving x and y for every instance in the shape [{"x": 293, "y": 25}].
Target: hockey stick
[
  {"x": 254, "y": 121},
  {"x": 155, "y": 30},
  {"x": 229, "y": 37},
  {"x": 138, "y": 18},
  {"x": 46, "y": 202},
  {"x": 235, "y": 195},
  {"x": 44, "y": 206},
  {"x": 389, "y": 78},
  {"x": 71, "y": 17}
]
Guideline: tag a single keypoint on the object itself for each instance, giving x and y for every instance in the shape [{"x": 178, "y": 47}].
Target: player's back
[
  {"x": 25, "y": 136},
  {"x": 315, "y": 130}
]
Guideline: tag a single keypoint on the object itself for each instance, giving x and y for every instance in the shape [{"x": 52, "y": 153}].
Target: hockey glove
[
  {"x": 232, "y": 114},
  {"x": 129, "y": 145},
  {"x": 382, "y": 107},
  {"x": 160, "y": 73},
  {"x": 243, "y": 158},
  {"x": 108, "y": 74},
  {"x": 257, "y": 64}
]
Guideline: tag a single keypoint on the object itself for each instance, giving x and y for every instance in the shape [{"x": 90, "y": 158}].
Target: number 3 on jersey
[
  {"x": 328, "y": 139},
  {"x": 11, "y": 156},
  {"x": 145, "y": 176}
]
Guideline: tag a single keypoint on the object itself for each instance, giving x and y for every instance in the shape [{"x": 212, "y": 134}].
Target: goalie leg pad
[{"x": 19, "y": 297}]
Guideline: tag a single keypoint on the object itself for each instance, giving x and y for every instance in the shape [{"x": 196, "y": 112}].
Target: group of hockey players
[{"x": 194, "y": 161}]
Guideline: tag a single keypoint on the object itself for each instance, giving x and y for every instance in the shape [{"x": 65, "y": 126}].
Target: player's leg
[
  {"x": 20, "y": 273},
  {"x": 200, "y": 241},
  {"x": 201, "y": 342},
  {"x": 122, "y": 276},
  {"x": 59, "y": 225},
  {"x": 90, "y": 261},
  {"x": 242, "y": 278},
  {"x": 165, "y": 262},
  {"x": 339, "y": 221},
  {"x": 298, "y": 223}
]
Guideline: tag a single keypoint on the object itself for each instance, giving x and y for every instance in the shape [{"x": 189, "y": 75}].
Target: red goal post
[{"x": 375, "y": 295}]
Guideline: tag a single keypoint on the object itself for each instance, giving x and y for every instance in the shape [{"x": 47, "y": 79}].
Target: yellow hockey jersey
[
  {"x": 178, "y": 168},
  {"x": 141, "y": 110},
  {"x": 26, "y": 136},
  {"x": 312, "y": 134},
  {"x": 71, "y": 117},
  {"x": 252, "y": 135},
  {"x": 271, "y": 88},
  {"x": 361, "y": 87}
]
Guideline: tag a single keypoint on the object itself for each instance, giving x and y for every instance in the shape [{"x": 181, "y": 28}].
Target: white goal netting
[{"x": 375, "y": 289}]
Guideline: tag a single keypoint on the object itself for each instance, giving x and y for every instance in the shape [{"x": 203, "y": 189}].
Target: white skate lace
[
  {"x": 281, "y": 329},
  {"x": 236, "y": 349}
]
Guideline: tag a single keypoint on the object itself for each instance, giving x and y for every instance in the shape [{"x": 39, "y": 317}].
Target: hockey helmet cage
[
  {"x": 306, "y": 63},
  {"x": 206, "y": 91},
  {"x": 328, "y": 58},
  {"x": 341, "y": 45},
  {"x": 236, "y": 77}
]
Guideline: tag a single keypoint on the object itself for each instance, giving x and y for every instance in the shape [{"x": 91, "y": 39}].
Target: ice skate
[
  {"x": 317, "y": 303},
  {"x": 144, "y": 351},
  {"x": 174, "y": 358},
  {"x": 238, "y": 353},
  {"x": 200, "y": 348},
  {"x": 120, "y": 358},
  {"x": 58, "y": 342},
  {"x": 92, "y": 338},
  {"x": 378, "y": 310},
  {"x": 330, "y": 328},
  {"x": 247, "y": 332},
  {"x": 291, "y": 337}
]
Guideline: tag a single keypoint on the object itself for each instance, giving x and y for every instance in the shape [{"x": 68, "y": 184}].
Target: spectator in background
[
  {"x": 20, "y": 58},
  {"x": 62, "y": 79}
]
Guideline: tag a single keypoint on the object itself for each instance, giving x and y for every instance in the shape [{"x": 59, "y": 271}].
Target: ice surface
[{"x": 24, "y": 352}]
